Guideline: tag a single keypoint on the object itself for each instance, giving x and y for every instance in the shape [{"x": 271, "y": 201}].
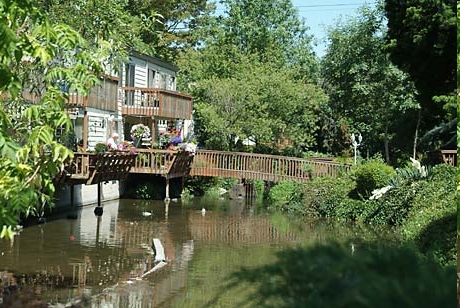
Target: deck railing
[
  {"x": 262, "y": 167},
  {"x": 156, "y": 102},
  {"x": 449, "y": 157},
  {"x": 92, "y": 168},
  {"x": 171, "y": 164},
  {"x": 153, "y": 161}
]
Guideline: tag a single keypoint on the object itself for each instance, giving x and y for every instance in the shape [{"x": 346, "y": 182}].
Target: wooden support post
[
  {"x": 99, "y": 194},
  {"x": 153, "y": 129},
  {"x": 98, "y": 211},
  {"x": 85, "y": 130},
  {"x": 73, "y": 213},
  {"x": 167, "y": 199}
]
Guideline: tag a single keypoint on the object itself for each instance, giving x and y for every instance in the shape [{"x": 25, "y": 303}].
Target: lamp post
[{"x": 356, "y": 143}]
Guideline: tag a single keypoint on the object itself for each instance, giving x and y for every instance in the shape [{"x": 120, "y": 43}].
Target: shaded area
[{"x": 341, "y": 275}]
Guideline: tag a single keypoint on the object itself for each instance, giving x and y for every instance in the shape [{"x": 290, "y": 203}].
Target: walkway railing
[
  {"x": 262, "y": 167},
  {"x": 90, "y": 168}
]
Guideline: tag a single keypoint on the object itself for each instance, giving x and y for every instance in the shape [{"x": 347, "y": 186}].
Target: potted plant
[{"x": 138, "y": 132}]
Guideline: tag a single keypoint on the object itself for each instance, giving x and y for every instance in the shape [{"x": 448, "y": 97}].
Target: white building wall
[{"x": 87, "y": 194}]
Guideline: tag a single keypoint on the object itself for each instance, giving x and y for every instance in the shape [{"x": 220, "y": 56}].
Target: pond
[{"x": 107, "y": 261}]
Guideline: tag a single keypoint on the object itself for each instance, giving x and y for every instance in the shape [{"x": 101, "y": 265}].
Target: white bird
[
  {"x": 147, "y": 213},
  {"x": 203, "y": 211}
]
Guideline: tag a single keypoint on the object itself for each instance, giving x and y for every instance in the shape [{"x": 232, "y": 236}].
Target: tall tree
[
  {"x": 271, "y": 29},
  {"x": 261, "y": 103},
  {"x": 179, "y": 20},
  {"x": 108, "y": 27},
  {"x": 30, "y": 156},
  {"x": 422, "y": 41},
  {"x": 250, "y": 77},
  {"x": 361, "y": 81}
]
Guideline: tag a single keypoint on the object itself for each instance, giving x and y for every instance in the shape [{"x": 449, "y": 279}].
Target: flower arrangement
[{"x": 140, "y": 131}]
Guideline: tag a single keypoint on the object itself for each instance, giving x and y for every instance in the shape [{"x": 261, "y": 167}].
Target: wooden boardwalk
[
  {"x": 251, "y": 166},
  {"x": 90, "y": 168}
]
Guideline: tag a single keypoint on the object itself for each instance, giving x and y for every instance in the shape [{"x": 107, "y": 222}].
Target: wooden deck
[
  {"x": 92, "y": 168},
  {"x": 170, "y": 164},
  {"x": 156, "y": 102}
]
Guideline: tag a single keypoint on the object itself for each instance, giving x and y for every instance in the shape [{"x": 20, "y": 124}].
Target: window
[{"x": 151, "y": 78}]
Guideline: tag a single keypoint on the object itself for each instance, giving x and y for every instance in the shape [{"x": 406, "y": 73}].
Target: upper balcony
[
  {"x": 155, "y": 102},
  {"x": 102, "y": 96}
]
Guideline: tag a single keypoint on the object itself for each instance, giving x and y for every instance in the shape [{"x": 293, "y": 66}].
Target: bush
[
  {"x": 287, "y": 197},
  {"x": 431, "y": 222},
  {"x": 393, "y": 207},
  {"x": 351, "y": 209},
  {"x": 371, "y": 175},
  {"x": 323, "y": 196}
]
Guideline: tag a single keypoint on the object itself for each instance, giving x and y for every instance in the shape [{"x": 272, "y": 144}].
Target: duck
[{"x": 145, "y": 214}]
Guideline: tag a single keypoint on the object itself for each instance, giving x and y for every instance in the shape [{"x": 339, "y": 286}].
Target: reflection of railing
[
  {"x": 156, "y": 102},
  {"x": 262, "y": 167}
]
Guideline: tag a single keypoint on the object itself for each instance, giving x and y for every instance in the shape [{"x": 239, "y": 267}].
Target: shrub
[
  {"x": 393, "y": 208},
  {"x": 322, "y": 196},
  {"x": 351, "y": 209},
  {"x": 431, "y": 222},
  {"x": 371, "y": 175},
  {"x": 287, "y": 197}
]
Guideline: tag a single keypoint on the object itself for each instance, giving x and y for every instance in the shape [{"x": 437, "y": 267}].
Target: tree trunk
[
  {"x": 414, "y": 149},
  {"x": 387, "y": 145}
]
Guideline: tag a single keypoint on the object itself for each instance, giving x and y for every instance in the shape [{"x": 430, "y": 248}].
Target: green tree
[
  {"x": 108, "y": 27},
  {"x": 361, "y": 81},
  {"x": 180, "y": 19},
  {"x": 251, "y": 79},
  {"x": 259, "y": 102},
  {"x": 421, "y": 39},
  {"x": 272, "y": 30},
  {"x": 37, "y": 60}
]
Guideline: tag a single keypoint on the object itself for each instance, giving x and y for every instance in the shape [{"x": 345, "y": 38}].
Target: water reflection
[{"x": 107, "y": 260}]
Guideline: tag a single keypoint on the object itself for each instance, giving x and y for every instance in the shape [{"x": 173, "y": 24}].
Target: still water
[{"x": 108, "y": 260}]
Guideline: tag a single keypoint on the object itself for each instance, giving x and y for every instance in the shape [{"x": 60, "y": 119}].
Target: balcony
[{"x": 155, "y": 102}]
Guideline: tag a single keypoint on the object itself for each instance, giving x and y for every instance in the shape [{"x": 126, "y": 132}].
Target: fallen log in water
[{"x": 158, "y": 250}]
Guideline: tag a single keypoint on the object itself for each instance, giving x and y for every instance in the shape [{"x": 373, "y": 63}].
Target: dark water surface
[{"x": 105, "y": 260}]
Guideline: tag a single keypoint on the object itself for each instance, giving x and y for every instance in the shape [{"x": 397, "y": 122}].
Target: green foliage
[
  {"x": 322, "y": 196},
  {"x": 101, "y": 148},
  {"x": 38, "y": 60},
  {"x": 245, "y": 69},
  {"x": 422, "y": 41},
  {"x": 360, "y": 80},
  {"x": 431, "y": 223},
  {"x": 371, "y": 175},
  {"x": 335, "y": 275},
  {"x": 288, "y": 197},
  {"x": 393, "y": 208}
]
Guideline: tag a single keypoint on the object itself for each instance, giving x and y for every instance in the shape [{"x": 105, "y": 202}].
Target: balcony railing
[{"x": 156, "y": 102}]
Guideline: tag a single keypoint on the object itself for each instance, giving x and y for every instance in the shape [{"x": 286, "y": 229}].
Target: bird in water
[
  {"x": 145, "y": 214},
  {"x": 203, "y": 211}
]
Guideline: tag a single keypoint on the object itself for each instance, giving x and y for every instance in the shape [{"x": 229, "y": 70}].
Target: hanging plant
[{"x": 140, "y": 131}]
